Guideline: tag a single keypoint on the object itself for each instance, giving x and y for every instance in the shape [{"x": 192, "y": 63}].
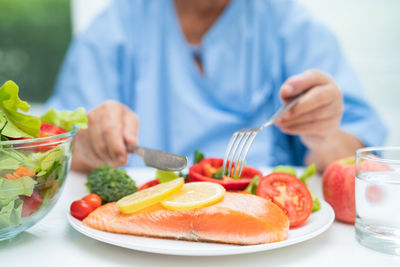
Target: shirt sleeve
[
  {"x": 93, "y": 69},
  {"x": 308, "y": 44}
]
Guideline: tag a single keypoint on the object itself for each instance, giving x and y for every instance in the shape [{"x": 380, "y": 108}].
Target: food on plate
[
  {"x": 93, "y": 200},
  {"x": 205, "y": 171},
  {"x": 150, "y": 196},
  {"x": 310, "y": 171},
  {"x": 202, "y": 210},
  {"x": 195, "y": 195},
  {"x": 80, "y": 209},
  {"x": 252, "y": 187},
  {"x": 338, "y": 185},
  {"x": 148, "y": 184},
  {"x": 285, "y": 169},
  {"x": 30, "y": 172},
  {"x": 165, "y": 176},
  {"x": 238, "y": 219},
  {"x": 288, "y": 192},
  {"x": 111, "y": 184}
]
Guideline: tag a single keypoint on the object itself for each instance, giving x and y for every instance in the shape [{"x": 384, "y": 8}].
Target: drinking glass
[{"x": 377, "y": 193}]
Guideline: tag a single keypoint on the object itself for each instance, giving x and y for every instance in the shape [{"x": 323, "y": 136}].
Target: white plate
[{"x": 315, "y": 225}]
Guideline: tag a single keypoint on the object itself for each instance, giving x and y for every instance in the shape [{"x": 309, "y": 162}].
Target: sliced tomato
[
  {"x": 289, "y": 193},
  {"x": 201, "y": 172},
  {"x": 46, "y": 129},
  {"x": 149, "y": 184},
  {"x": 31, "y": 204}
]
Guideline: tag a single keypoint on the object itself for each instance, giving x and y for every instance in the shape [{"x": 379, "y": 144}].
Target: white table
[{"x": 53, "y": 242}]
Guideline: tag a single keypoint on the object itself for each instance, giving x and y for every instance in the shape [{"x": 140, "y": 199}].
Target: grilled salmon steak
[{"x": 242, "y": 219}]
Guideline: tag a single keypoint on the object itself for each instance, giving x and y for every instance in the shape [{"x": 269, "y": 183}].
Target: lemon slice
[
  {"x": 195, "y": 195},
  {"x": 150, "y": 196}
]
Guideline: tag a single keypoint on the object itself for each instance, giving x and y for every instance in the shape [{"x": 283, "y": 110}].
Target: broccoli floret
[{"x": 110, "y": 184}]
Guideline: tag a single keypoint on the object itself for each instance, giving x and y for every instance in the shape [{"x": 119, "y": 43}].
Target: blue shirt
[{"x": 135, "y": 53}]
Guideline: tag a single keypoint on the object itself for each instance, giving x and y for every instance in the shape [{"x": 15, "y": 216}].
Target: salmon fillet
[{"x": 242, "y": 219}]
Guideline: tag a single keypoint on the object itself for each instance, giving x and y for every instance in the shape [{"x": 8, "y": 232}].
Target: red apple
[{"x": 338, "y": 185}]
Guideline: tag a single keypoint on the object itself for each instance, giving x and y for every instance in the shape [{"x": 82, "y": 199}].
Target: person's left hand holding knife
[{"x": 316, "y": 117}]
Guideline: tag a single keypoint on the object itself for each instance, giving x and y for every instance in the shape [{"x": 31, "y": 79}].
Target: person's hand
[
  {"x": 111, "y": 127},
  {"x": 317, "y": 114}
]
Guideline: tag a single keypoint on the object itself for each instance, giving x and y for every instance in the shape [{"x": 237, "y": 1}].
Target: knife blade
[{"x": 160, "y": 159}]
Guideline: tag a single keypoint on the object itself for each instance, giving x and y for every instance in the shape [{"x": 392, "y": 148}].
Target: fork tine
[
  {"x": 232, "y": 156},
  {"x": 247, "y": 134},
  {"x": 253, "y": 136},
  {"x": 228, "y": 151}
]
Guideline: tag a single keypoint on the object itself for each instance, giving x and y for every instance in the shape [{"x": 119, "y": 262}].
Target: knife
[{"x": 159, "y": 159}]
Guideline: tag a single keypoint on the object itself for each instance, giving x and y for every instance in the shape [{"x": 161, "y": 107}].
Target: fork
[{"x": 241, "y": 140}]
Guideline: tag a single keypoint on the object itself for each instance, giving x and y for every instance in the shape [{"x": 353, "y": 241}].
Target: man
[{"x": 194, "y": 72}]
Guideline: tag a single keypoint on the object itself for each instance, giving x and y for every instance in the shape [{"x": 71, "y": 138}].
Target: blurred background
[{"x": 35, "y": 34}]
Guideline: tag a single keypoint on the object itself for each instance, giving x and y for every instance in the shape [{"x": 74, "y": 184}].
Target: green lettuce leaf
[
  {"x": 252, "y": 187},
  {"x": 198, "y": 156},
  {"x": 10, "y": 214},
  {"x": 308, "y": 173},
  {"x": 3, "y": 121},
  {"x": 316, "y": 203},
  {"x": 11, "y": 189},
  {"x": 165, "y": 176},
  {"x": 18, "y": 124},
  {"x": 11, "y": 159},
  {"x": 285, "y": 169},
  {"x": 66, "y": 119}
]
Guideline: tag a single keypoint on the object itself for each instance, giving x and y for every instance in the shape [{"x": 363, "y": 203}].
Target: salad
[{"x": 31, "y": 170}]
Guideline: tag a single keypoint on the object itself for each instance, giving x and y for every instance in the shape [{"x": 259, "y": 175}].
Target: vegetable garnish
[
  {"x": 149, "y": 184},
  {"x": 165, "y": 176},
  {"x": 307, "y": 174},
  {"x": 198, "y": 156},
  {"x": 149, "y": 196},
  {"x": 288, "y": 192},
  {"x": 80, "y": 209},
  {"x": 252, "y": 187},
  {"x": 195, "y": 195},
  {"x": 285, "y": 169},
  {"x": 111, "y": 184},
  {"x": 93, "y": 200},
  {"x": 203, "y": 171}
]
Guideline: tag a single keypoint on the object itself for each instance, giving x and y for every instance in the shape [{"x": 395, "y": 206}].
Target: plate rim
[{"x": 226, "y": 249}]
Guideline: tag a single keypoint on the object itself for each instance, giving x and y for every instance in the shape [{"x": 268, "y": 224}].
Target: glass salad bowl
[{"x": 32, "y": 174}]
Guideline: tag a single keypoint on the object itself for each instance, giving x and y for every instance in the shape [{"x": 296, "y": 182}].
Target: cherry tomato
[
  {"x": 31, "y": 204},
  {"x": 80, "y": 209},
  {"x": 289, "y": 193},
  {"x": 149, "y": 184},
  {"x": 93, "y": 200},
  {"x": 201, "y": 172}
]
